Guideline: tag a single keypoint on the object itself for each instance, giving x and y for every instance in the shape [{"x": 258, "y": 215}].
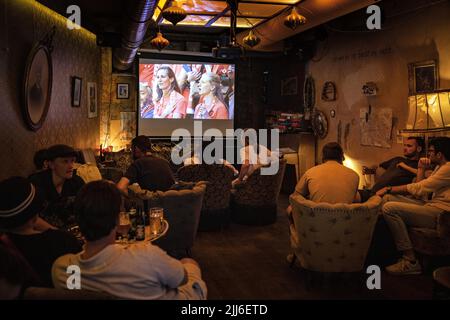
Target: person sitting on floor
[
  {"x": 401, "y": 212},
  {"x": 59, "y": 185},
  {"x": 330, "y": 182},
  {"x": 137, "y": 271},
  {"x": 398, "y": 170},
  {"x": 150, "y": 172},
  {"x": 28, "y": 234}
]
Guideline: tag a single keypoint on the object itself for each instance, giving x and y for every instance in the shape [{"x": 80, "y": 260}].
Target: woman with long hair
[
  {"x": 212, "y": 105},
  {"x": 169, "y": 103}
]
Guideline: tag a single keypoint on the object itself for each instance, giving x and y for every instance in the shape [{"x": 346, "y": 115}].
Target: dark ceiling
[{"x": 105, "y": 18}]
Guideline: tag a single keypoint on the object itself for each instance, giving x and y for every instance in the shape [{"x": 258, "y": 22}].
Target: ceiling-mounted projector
[{"x": 227, "y": 52}]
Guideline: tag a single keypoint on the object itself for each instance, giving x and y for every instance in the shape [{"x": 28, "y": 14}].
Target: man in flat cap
[{"x": 59, "y": 185}]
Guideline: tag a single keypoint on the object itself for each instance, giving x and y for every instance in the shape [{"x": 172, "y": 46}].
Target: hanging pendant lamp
[
  {"x": 251, "y": 39},
  {"x": 174, "y": 13},
  {"x": 294, "y": 20},
  {"x": 159, "y": 42}
]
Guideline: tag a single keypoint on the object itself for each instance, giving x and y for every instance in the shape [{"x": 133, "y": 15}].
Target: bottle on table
[{"x": 140, "y": 225}]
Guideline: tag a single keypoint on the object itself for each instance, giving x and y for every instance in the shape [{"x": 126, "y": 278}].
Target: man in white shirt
[
  {"x": 136, "y": 271},
  {"x": 400, "y": 211}
]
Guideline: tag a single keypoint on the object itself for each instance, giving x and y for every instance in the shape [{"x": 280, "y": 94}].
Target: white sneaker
[{"x": 404, "y": 267}]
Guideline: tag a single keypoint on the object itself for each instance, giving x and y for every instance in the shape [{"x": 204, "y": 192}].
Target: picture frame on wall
[
  {"x": 423, "y": 76},
  {"x": 289, "y": 86},
  {"x": 76, "y": 91},
  {"x": 92, "y": 99},
  {"x": 123, "y": 91}
]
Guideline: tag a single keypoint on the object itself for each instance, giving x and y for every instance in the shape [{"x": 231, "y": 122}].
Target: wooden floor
[{"x": 250, "y": 263}]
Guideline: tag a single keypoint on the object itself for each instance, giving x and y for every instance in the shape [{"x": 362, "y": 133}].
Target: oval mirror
[{"x": 37, "y": 87}]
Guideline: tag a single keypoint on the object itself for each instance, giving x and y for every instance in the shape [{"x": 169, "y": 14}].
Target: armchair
[
  {"x": 255, "y": 201},
  {"x": 216, "y": 202},
  {"x": 332, "y": 237},
  {"x": 181, "y": 210},
  {"x": 433, "y": 242}
]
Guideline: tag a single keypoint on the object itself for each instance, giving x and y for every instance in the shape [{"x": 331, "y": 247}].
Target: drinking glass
[
  {"x": 124, "y": 225},
  {"x": 156, "y": 220}
]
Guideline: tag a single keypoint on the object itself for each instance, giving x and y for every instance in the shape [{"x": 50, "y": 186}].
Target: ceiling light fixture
[
  {"x": 251, "y": 40},
  {"x": 174, "y": 13},
  {"x": 159, "y": 42},
  {"x": 294, "y": 20}
]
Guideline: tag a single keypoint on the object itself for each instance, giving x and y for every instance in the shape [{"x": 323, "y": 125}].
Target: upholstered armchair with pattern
[
  {"x": 216, "y": 202},
  {"x": 433, "y": 242},
  {"x": 255, "y": 201},
  {"x": 332, "y": 237},
  {"x": 181, "y": 210}
]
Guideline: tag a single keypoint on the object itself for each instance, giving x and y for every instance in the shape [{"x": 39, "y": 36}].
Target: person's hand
[
  {"x": 369, "y": 170},
  {"x": 194, "y": 75},
  {"x": 382, "y": 192},
  {"x": 424, "y": 163},
  {"x": 401, "y": 165}
]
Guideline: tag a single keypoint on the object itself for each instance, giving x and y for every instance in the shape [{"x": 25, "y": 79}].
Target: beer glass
[
  {"x": 156, "y": 220},
  {"x": 124, "y": 225}
]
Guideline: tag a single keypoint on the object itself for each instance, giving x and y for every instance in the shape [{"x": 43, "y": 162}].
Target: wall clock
[{"x": 37, "y": 84}]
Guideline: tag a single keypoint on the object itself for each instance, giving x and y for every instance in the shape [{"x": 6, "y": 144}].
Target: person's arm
[
  {"x": 42, "y": 225},
  {"x": 404, "y": 166},
  {"x": 392, "y": 190},
  {"x": 439, "y": 179},
  {"x": 123, "y": 184},
  {"x": 302, "y": 186},
  {"x": 422, "y": 166}
]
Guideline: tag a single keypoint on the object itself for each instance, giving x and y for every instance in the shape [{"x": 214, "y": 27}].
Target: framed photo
[
  {"x": 92, "y": 99},
  {"x": 289, "y": 86},
  {"x": 423, "y": 76},
  {"x": 123, "y": 91},
  {"x": 76, "y": 92}
]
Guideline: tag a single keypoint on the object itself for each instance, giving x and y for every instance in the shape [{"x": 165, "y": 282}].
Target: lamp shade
[
  {"x": 429, "y": 112},
  {"x": 174, "y": 13},
  {"x": 251, "y": 40},
  {"x": 294, "y": 20},
  {"x": 159, "y": 42}
]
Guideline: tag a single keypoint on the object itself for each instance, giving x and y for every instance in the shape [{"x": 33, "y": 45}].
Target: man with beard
[
  {"x": 398, "y": 170},
  {"x": 418, "y": 204},
  {"x": 150, "y": 172}
]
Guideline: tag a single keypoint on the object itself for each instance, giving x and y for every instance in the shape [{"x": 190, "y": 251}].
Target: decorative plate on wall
[
  {"x": 37, "y": 86},
  {"x": 329, "y": 91},
  {"x": 37, "y": 83},
  {"x": 320, "y": 124}
]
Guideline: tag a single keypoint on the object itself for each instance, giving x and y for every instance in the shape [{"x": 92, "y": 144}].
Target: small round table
[{"x": 441, "y": 283}]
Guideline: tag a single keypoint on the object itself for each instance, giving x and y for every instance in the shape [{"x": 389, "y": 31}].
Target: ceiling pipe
[
  {"x": 273, "y": 32},
  {"x": 139, "y": 17}
]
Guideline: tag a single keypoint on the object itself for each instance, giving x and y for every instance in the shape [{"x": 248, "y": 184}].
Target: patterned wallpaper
[
  {"x": 75, "y": 53},
  {"x": 117, "y": 116}
]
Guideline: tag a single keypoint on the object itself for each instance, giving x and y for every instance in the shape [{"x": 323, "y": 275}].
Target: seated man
[
  {"x": 59, "y": 185},
  {"x": 330, "y": 182},
  {"x": 136, "y": 271},
  {"x": 398, "y": 170},
  {"x": 28, "y": 234},
  {"x": 400, "y": 211},
  {"x": 151, "y": 173}
]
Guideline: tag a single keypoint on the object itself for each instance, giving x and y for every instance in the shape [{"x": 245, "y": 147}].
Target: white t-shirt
[
  {"x": 136, "y": 271},
  {"x": 257, "y": 159},
  {"x": 196, "y": 160}
]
